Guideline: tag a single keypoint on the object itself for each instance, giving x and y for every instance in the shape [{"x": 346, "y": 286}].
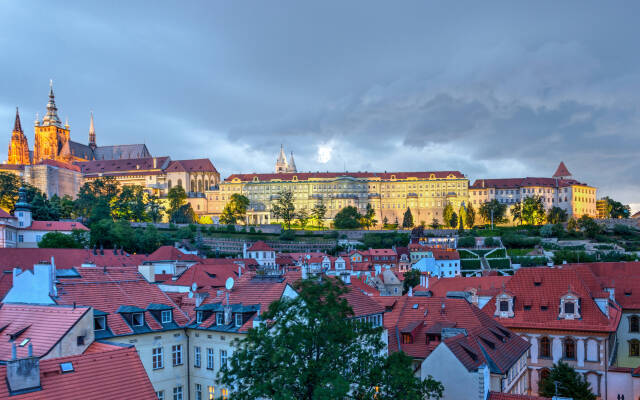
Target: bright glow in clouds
[{"x": 324, "y": 153}]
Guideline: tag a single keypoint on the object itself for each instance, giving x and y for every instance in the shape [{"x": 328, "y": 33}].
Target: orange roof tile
[{"x": 59, "y": 226}]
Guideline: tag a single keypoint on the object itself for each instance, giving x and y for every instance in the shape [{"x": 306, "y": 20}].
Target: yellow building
[
  {"x": 561, "y": 190},
  {"x": 389, "y": 193}
]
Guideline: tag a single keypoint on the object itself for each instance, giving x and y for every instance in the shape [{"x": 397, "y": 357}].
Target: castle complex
[{"x": 53, "y": 142}]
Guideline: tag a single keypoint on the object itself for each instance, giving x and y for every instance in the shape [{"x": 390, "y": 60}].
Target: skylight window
[
  {"x": 24, "y": 342},
  {"x": 66, "y": 367}
]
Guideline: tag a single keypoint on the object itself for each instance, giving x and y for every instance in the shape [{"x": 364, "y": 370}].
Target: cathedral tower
[
  {"x": 92, "y": 134},
  {"x": 281, "y": 163},
  {"x": 292, "y": 164},
  {"x": 51, "y": 135},
  {"x": 18, "y": 147}
]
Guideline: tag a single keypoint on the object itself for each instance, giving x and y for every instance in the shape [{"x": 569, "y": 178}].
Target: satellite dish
[
  {"x": 308, "y": 256},
  {"x": 194, "y": 286},
  {"x": 229, "y": 283},
  {"x": 190, "y": 295}
]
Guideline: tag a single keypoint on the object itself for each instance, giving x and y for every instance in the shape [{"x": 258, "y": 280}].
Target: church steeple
[
  {"x": 281, "y": 163},
  {"x": 92, "y": 134},
  {"x": 292, "y": 164},
  {"x": 51, "y": 117},
  {"x": 17, "y": 126},
  {"x": 18, "y": 147}
]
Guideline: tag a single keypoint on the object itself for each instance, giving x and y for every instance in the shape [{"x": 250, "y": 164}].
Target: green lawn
[
  {"x": 465, "y": 254},
  {"x": 500, "y": 263},
  {"x": 499, "y": 253},
  {"x": 518, "y": 252}
]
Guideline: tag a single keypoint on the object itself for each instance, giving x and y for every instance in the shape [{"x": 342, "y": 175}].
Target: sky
[{"x": 492, "y": 89}]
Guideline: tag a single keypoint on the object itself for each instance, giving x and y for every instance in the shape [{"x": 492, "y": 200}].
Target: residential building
[
  {"x": 167, "y": 260},
  {"x": 20, "y": 230},
  {"x": 436, "y": 262},
  {"x": 563, "y": 314},
  {"x": 561, "y": 190},
  {"x": 103, "y": 372},
  {"x": 262, "y": 253},
  {"x": 389, "y": 193},
  {"x": 459, "y": 345}
]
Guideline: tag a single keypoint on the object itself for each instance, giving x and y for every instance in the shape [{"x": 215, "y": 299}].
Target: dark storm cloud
[{"x": 493, "y": 89}]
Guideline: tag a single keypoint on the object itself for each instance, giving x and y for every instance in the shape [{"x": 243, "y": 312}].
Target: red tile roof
[
  {"x": 513, "y": 183},
  {"x": 508, "y": 396},
  {"x": 45, "y": 326},
  {"x": 4, "y": 214},
  {"x": 553, "y": 284},
  {"x": 485, "y": 337},
  {"x": 113, "y": 374},
  {"x": 107, "y": 291},
  {"x": 303, "y": 176},
  {"x": 561, "y": 171},
  {"x": 195, "y": 165},
  {"x": 59, "y": 164},
  {"x": 170, "y": 253},
  {"x": 260, "y": 246},
  {"x": 121, "y": 165},
  {"x": 67, "y": 258},
  {"x": 438, "y": 253},
  {"x": 60, "y": 226},
  {"x": 623, "y": 277},
  {"x": 207, "y": 276},
  {"x": 484, "y": 285}
]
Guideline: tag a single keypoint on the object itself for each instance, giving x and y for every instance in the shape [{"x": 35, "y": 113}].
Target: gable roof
[
  {"x": 195, "y": 165},
  {"x": 56, "y": 226},
  {"x": 44, "y": 326},
  {"x": 170, "y": 253},
  {"x": 205, "y": 276},
  {"x": 4, "y": 214},
  {"x": 544, "y": 286},
  {"x": 123, "y": 151},
  {"x": 561, "y": 171},
  {"x": 24, "y": 258},
  {"x": 114, "y": 373},
  {"x": 130, "y": 165},
  {"x": 260, "y": 245}
]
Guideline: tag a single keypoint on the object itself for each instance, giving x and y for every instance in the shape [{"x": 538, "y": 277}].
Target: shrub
[
  {"x": 517, "y": 241},
  {"x": 470, "y": 264},
  {"x": 546, "y": 231},
  {"x": 252, "y": 230},
  {"x": 287, "y": 235},
  {"x": 623, "y": 230},
  {"x": 231, "y": 228},
  {"x": 529, "y": 261},
  {"x": 491, "y": 242},
  {"x": 500, "y": 263},
  {"x": 466, "y": 241}
]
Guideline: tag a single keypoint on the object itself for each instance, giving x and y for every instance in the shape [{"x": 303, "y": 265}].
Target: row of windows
[
  {"x": 178, "y": 393},
  {"x": 197, "y": 357}
]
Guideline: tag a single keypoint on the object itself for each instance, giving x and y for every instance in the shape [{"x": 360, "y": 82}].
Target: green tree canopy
[
  {"x": 435, "y": 224},
  {"x": 101, "y": 188},
  {"x": 589, "y": 226},
  {"x": 235, "y": 210},
  {"x": 59, "y": 240},
  {"x": 411, "y": 280},
  {"x": 9, "y": 185},
  {"x": 499, "y": 211},
  {"x": 615, "y": 209},
  {"x": 303, "y": 218},
  {"x": 557, "y": 215},
  {"x": 470, "y": 219},
  {"x": 407, "y": 219},
  {"x": 318, "y": 213},
  {"x": 533, "y": 210},
  {"x": 369, "y": 218},
  {"x": 570, "y": 383},
  {"x": 453, "y": 220},
  {"x": 447, "y": 213},
  {"x": 347, "y": 218},
  {"x": 284, "y": 208},
  {"x": 311, "y": 348},
  {"x": 177, "y": 198}
]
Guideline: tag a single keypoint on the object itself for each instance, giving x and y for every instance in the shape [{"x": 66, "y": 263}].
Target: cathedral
[
  {"x": 52, "y": 142},
  {"x": 282, "y": 165}
]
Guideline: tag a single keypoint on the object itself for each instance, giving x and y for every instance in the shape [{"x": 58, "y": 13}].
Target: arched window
[
  {"x": 193, "y": 188},
  {"x": 169, "y": 183},
  {"x": 200, "y": 188},
  {"x": 545, "y": 347},
  {"x": 206, "y": 184},
  {"x": 544, "y": 374},
  {"x": 634, "y": 323},
  {"x": 180, "y": 182},
  {"x": 634, "y": 348},
  {"x": 569, "y": 349}
]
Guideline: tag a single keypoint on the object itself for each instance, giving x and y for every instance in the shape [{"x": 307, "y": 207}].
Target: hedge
[
  {"x": 470, "y": 264},
  {"x": 500, "y": 263}
]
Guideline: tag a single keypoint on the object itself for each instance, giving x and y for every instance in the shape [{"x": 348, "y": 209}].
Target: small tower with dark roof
[
  {"x": 562, "y": 172},
  {"x": 23, "y": 209}
]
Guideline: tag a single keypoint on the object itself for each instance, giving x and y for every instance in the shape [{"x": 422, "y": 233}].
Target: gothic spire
[
  {"x": 51, "y": 117},
  {"x": 92, "y": 133},
  {"x": 292, "y": 164},
  {"x": 17, "y": 126}
]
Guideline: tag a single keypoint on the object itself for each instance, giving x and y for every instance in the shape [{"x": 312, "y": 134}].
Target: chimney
[
  {"x": 239, "y": 271},
  {"x": 23, "y": 374},
  {"x": 410, "y": 294},
  {"x": 155, "y": 163}
]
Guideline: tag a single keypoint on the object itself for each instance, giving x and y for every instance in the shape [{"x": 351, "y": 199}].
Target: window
[
  {"x": 406, "y": 338},
  {"x": 137, "y": 319},
  {"x": 198, "y": 317},
  {"x": 99, "y": 323},
  {"x": 223, "y": 358},
  {"x": 177, "y": 393},
  {"x": 504, "y": 305},
  {"x": 238, "y": 319},
  {"x": 634, "y": 348},
  {"x": 198, "y": 391},
  {"x": 225, "y": 394},
  {"x": 545, "y": 347},
  {"x": 634, "y": 324},
  {"x": 20, "y": 237},
  {"x": 166, "y": 316},
  {"x": 80, "y": 340},
  {"x": 160, "y": 395},
  {"x": 219, "y": 319},
  {"x": 569, "y": 308},
  {"x": 157, "y": 358},
  {"x": 569, "y": 349},
  {"x": 38, "y": 238},
  {"x": 210, "y": 357},
  {"x": 176, "y": 352},
  {"x": 212, "y": 392},
  {"x": 196, "y": 356}
]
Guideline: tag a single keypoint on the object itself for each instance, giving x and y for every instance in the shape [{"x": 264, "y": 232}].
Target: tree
[
  {"x": 59, "y": 240},
  {"x": 64, "y": 206},
  {"x": 41, "y": 209},
  {"x": 155, "y": 209},
  {"x": 385, "y": 222},
  {"x": 590, "y": 227},
  {"x": 310, "y": 348},
  {"x": 235, "y": 209},
  {"x": 303, "y": 218},
  {"x": 411, "y": 280},
  {"x": 569, "y": 383},
  {"x": 470, "y": 220},
  {"x": 347, "y": 218},
  {"x": 9, "y": 185},
  {"x": 398, "y": 382},
  {"x": 150, "y": 239},
  {"x": 183, "y": 215},
  {"x": 407, "y": 219},
  {"x": 556, "y": 215},
  {"x": 461, "y": 225},
  {"x": 453, "y": 221},
  {"x": 435, "y": 224},
  {"x": 533, "y": 210},
  {"x": 615, "y": 209},
  {"x": 516, "y": 213},
  {"x": 499, "y": 211},
  {"x": 318, "y": 212},
  {"x": 283, "y": 208},
  {"x": 572, "y": 225},
  {"x": 101, "y": 188},
  {"x": 447, "y": 213},
  {"x": 177, "y": 197},
  {"x": 100, "y": 211},
  {"x": 369, "y": 218}
]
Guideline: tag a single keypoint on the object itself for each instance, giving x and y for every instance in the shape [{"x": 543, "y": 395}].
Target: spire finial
[
  {"x": 50, "y": 87},
  {"x": 92, "y": 133},
  {"x": 17, "y": 126}
]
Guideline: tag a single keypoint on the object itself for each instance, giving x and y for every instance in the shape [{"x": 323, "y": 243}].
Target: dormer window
[
  {"x": 504, "y": 306},
  {"x": 569, "y": 306},
  {"x": 100, "y": 323},
  {"x": 166, "y": 316},
  {"x": 407, "y": 338},
  {"x": 198, "y": 317},
  {"x": 219, "y": 319},
  {"x": 238, "y": 319},
  {"x": 137, "y": 319}
]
